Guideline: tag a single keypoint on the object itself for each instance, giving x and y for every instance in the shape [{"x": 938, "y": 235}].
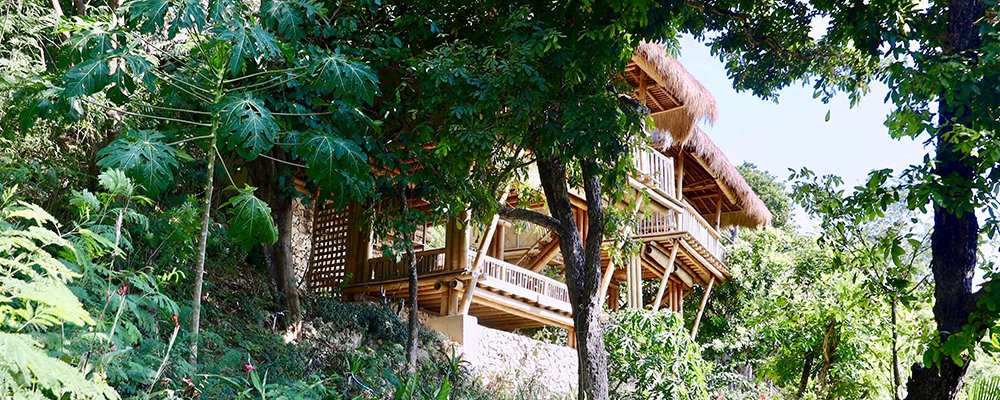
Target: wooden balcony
[
  {"x": 655, "y": 170},
  {"x": 508, "y": 296}
]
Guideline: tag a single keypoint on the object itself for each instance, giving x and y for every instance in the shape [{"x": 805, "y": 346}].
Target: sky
[{"x": 793, "y": 132}]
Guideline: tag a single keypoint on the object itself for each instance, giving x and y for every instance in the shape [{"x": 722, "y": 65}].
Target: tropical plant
[
  {"x": 652, "y": 356},
  {"x": 222, "y": 81},
  {"x": 37, "y": 264}
]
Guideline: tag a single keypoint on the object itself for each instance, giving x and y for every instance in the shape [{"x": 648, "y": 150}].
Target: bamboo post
[
  {"x": 634, "y": 277},
  {"x": 606, "y": 279},
  {"x": 668, "y": 269},
  {"x": 480, "y": 253},
  {"x": 701, "y": 308}
]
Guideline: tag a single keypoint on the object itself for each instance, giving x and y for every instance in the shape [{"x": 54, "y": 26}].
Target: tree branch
[{"x": 534, "y": 217}]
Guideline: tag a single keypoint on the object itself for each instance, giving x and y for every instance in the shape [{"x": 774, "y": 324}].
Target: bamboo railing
[
  {"x": 525, "y": 279},
  {"x": 388, "y": 268},
  {"x": 655, "y": 169},
  {"x": 432, "y": 261}
]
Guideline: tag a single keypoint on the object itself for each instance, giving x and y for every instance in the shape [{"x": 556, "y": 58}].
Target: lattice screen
[{"x": 328, "y": 263}]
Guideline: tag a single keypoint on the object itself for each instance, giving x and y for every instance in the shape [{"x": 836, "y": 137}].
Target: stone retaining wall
[
  {"x": 527, "y": 367},
  {"x": 302, "y": 223}
]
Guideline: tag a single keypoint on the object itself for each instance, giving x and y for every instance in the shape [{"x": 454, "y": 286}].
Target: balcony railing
[
  {"x": 432, "y": 261},
  {"x": 703, "y": 233},
  {"x": 524, "y": 279},
  {"x": 656, "y": 169},
  {"x": 388, "y": 268},
  {"x": 687, "y": 221}
]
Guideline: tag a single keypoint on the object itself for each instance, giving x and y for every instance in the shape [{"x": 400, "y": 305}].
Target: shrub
[{"x": 652, "y": 356}]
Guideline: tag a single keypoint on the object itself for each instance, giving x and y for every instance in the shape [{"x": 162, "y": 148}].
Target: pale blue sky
[{"x": 793, "y": 133}]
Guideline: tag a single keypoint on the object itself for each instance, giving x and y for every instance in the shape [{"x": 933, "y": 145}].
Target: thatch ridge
[
  {"x": 753, "y": 212},
  {"x": 697, "y": 103}
]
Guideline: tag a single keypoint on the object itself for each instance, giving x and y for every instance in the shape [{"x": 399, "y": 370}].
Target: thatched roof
[
  {"x": 744, "y": 207},
  {"x": 677, "y": 101}
]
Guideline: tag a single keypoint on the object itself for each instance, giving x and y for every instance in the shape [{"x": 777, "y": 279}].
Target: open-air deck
[{"x": 510, "y": 296}]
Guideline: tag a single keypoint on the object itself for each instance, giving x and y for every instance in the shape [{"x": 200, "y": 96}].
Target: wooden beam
[
  {"x": 701, "y": 308},
  {"x": 642, "y": 89},
  {"x": 668, "y": 269},
  {"x": 701, "y": 259},
  {"x": 718, "y": 214},
  {"x": 680, "y": 173},
  {"x": 522, "y": 309},
  {"x": 480, "y": 253},
  {"x": 548, "y": 253}
]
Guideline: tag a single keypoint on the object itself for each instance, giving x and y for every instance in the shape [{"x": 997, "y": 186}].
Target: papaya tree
[{"x": 204, "y": 85}]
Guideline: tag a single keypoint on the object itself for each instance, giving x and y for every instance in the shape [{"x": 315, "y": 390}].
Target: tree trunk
[
  {"x": 199, "y": 269},
  {"x": 955, "y": 238},
  {"x": 264, "y": 175},
  {"x": 284, "y": 257},
  {"x": 896, "y": 380},
  {"x": 830, "y": 342},
  {"x": 267, "y": 256},
  {"x": 806, "y": 372},
  {"x": 583, "y": 271},
  {"x": 412, "y": 337}
]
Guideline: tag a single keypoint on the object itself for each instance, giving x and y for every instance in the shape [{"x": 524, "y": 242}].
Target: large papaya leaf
[
  {"x": 149, "y": 14},
  {"x": 247, "y": 43},
  {"x": 337, "y": 165},
  {"x": 286, "y": 16},
  {"x": 87, "y": 78},
  {"x": 246, "y": 126},
  {"x": 345, "y": 78},
  {"x": 144, "y": 157},
  {"x": 250, "y": 221},
  {"x": 190, "y": 14}
]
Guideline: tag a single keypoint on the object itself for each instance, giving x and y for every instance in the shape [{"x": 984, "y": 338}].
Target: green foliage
[
  {"x": 652, "y": 356},
  {"x": 144, "y": 156},
  {"x": 246, "y": 126},
  {"x": 34, "y": 297},
  {"x": 250, "y": 222},
  {"x": 985, "y": 388},
  {"x": 772, "y": 192}
]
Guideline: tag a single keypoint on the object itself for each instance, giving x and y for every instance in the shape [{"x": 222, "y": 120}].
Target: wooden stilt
[
  {"x": 680, "y": 174},
  {"x": 669, "y": 269},
  {"x": 634, "y": 278},
  {"x": 718, "y": 213},
  {"x": 609, "y": 273},
  {"x": 701, "y": 308}
]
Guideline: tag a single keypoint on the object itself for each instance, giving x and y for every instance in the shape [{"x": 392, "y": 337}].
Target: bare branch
[{"x": 534, "y": 217}]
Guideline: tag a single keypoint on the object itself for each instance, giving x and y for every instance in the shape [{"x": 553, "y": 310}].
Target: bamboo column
[
  {"x": 634, "y": 278},
  {"x": 701, "y": 308},
  {"x": 668, "y": 269}
]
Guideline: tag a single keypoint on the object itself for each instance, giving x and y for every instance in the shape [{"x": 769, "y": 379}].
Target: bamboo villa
[{"x": 692, "y": 192}]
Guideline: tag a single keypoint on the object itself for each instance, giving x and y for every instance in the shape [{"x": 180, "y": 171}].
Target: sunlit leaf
[{"x": 250, "y": 221}]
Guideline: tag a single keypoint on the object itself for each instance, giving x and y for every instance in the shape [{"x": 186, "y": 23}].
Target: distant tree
[{"x": 772, "y": 192}]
